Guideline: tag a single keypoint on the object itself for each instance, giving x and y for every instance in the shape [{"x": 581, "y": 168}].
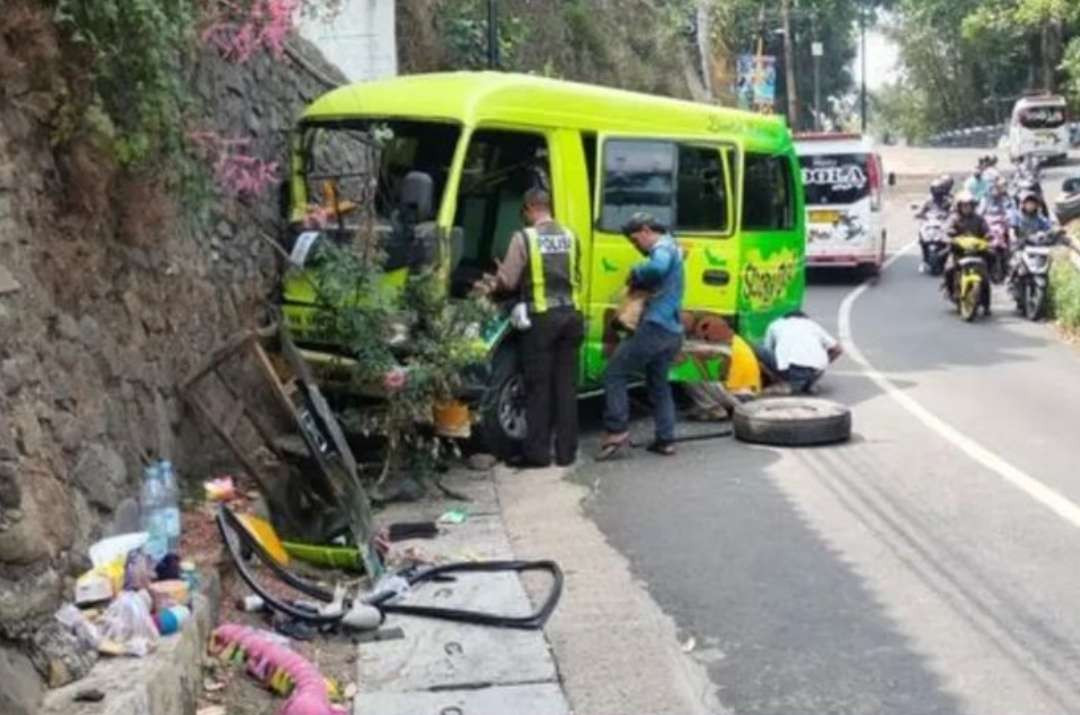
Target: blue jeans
[
  {"x": 650, "y": 350},
  {"x": 800, "y": 378}
]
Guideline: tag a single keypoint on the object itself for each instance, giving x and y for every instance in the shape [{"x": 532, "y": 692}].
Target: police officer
[{"x": 542, "y": 265}]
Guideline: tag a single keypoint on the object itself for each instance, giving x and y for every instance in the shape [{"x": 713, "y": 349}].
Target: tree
[{"x": 966, "y": 60}]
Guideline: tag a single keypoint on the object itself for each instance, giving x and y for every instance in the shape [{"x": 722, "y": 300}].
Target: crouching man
[{"x": 795, "y": 353}]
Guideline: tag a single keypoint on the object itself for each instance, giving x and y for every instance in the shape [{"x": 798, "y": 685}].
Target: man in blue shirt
[{"x": 653, "y": 346}]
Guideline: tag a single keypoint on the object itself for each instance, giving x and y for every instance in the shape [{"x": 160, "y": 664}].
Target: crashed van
[{"x": 457, "y": 151}]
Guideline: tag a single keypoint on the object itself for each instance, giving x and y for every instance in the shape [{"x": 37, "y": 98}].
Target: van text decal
[{"x": 841, "y": 178}]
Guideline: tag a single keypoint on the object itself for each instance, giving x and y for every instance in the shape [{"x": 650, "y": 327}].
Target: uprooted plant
[{"x": 408, "y": 345}]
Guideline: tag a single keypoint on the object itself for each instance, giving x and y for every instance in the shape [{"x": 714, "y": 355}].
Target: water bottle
[
  {"x": 171, "y": 504},
  {"x": 154, "y": 519}
]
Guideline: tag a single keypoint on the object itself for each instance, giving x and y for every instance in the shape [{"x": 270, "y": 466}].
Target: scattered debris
[
  {"x": 278, "y": 667},
  {"x": 220, "y": 489},
  {"x": 454, "y": 516},
  {"x": 89, "y": 696}
]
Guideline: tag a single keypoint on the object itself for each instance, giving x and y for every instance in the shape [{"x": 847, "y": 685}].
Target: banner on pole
[{"x": 756, "y": 82}]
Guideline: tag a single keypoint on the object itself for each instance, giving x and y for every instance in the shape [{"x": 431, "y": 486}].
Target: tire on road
[{"x": 792, "y": 422}]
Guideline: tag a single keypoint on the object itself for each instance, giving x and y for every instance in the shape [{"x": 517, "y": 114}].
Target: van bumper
[{"x": 842, "y": 260}]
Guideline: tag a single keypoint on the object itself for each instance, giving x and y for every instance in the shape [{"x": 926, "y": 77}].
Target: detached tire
[{"x": 792, "y": 422}]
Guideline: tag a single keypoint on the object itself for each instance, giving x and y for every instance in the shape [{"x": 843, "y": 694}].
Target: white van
[
  {"x": 1039, "y": 127},
  {"x": 842, "y": 178}
]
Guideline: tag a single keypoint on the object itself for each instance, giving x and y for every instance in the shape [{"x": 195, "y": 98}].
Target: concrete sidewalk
[
  {"x": 608, "y": 649},
  {"x": 451, "y": 668}
]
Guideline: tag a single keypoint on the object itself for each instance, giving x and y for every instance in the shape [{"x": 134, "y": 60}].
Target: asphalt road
[{"x": 929, "y": 566}]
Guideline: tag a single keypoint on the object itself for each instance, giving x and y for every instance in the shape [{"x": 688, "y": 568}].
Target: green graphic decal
[
  {"x": 766, "y": 281},
  {"x": 608, "y": 266}
]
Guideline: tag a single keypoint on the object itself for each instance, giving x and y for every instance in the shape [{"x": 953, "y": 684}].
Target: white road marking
[{"x": 1050, "y": 498}]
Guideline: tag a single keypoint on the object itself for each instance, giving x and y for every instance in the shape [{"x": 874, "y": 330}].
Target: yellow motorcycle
[{"x": 969, "y": 281}]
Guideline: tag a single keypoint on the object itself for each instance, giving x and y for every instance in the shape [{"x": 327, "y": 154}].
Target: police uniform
[{"x": 543, "y": 265}]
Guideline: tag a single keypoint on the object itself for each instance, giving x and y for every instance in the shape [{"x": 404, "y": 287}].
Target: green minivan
[{"x": 458, "y": 150}]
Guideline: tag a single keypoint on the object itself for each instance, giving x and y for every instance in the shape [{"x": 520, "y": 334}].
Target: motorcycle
[
  {"x": 999, "y": 246},
  {"x": 935, "y": 242},
  {"x": 968, "y": 285},
  {"x": 1030, "y": 277}
]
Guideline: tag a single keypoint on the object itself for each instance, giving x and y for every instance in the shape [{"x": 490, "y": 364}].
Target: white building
[{"x": 360, "y": 40}]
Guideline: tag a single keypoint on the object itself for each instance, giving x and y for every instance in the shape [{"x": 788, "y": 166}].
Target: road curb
[{"x": 616, "y": 651}]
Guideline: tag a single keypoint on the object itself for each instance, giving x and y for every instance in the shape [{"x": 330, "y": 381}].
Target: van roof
[
  {"x": 1040, "y": 99},
  {"x": 475, "y": 98},
  {"x": 832, "y": 143}
]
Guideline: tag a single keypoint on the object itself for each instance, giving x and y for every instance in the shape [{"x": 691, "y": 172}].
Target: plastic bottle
[
  {"x": 171, "y": 504},
  {"x": 154, "y": 519}
]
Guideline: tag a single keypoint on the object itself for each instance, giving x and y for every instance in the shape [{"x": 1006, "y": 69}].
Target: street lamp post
[
  {"x": 493, "y": 36},
  {"x": 862, "y": 40},
  {"x": 817, "y": 49}
]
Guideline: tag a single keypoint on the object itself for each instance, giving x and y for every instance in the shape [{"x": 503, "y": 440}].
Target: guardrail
[{"x": 986, "y": 136}]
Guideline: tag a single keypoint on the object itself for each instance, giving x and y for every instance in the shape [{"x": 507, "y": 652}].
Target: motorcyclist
[
  {"x": 966, "y": 221},
  {"x": 1029, "y": 219},
  {"x": 978, "y": 184},
  {"x": 940, "y": 197},
  {"x": 940, "y": 202},
  {"x": 997, "y": 201}
]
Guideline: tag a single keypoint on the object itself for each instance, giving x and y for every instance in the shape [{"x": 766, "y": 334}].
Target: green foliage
[
  {"x": 1070, "y": 65},
  {"x": 1065, "y": 295},
  {"x": 413, "y": 345},
  {"x": 999, "y": 49},
  {"x": 464, "y": 26},
  {"x": 136, "y": 49}
]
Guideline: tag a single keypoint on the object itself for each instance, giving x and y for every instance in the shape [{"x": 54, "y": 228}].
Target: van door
[
  {"x": 772, "y": 241},
  {"x": 687, "y": 186}
]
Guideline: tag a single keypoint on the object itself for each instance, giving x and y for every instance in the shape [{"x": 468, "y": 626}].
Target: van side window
[
  {"x": 588, "y": 146},
  {"x": 638, "y": 176},
  {"x": 768, "y": 195},
  {"x": 702, "y": 190}
]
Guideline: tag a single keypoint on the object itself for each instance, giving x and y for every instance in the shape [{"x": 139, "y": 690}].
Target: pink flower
[
  {"x": 394, "y": 380},
  {"x": 243, "y": 28}
]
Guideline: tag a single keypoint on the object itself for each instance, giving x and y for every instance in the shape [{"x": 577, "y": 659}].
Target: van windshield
[
  {"x": 354, "y": 169},
  {"x": 1045, "y": 117},
  {"x": 835, "y": 178}
]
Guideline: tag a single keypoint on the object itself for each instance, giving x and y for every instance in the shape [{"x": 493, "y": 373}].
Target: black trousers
[{"x": 549, "y": 360}]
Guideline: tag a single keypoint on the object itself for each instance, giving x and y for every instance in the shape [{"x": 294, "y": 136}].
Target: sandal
[
  {"x": 663, "y": 448},
  {"x": 612, "y": 445}
]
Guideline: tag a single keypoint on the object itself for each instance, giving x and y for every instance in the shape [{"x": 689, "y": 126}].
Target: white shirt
[{"x": 799, "y": 341}]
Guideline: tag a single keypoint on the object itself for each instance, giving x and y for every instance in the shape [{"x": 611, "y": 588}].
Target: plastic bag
[
  {"x": 127, "y": 623},
  {"x": 74, "y": 620}
]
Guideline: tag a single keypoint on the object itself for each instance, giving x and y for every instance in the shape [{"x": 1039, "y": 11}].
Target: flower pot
[{"x": 452, "y": 419}]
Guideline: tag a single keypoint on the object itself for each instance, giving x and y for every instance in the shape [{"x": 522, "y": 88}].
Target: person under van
[
  {"x": 542, "y": 266},
  {"x": 652, "y": 348},
  {"x": 795, "y": 353}
]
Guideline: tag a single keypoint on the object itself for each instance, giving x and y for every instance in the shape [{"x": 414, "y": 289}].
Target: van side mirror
[
  {"x": 1071, "y": 185},
  {"x": 417, "y": 197}
]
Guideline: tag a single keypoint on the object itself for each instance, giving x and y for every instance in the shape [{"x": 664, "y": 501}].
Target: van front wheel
[{"x": 502, "y": 418}]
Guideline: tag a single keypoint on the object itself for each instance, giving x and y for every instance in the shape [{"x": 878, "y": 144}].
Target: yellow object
[
  {"x": 265, "y": 535},
  {"x": 744, "y": 372},
  {"x": 452, "y": 420},
  {"x": 166, "y": 594},
  {"x": 101, "y": 583}
]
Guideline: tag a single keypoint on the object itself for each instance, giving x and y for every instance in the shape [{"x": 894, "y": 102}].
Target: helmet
[
  {"x": 1029, "y": 196},
  {"x": 941, "y": 186},
  {"x": 965, "y": 197}
]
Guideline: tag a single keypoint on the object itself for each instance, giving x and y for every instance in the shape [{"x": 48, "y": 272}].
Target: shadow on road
[{"x": 781, "y": 622}]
